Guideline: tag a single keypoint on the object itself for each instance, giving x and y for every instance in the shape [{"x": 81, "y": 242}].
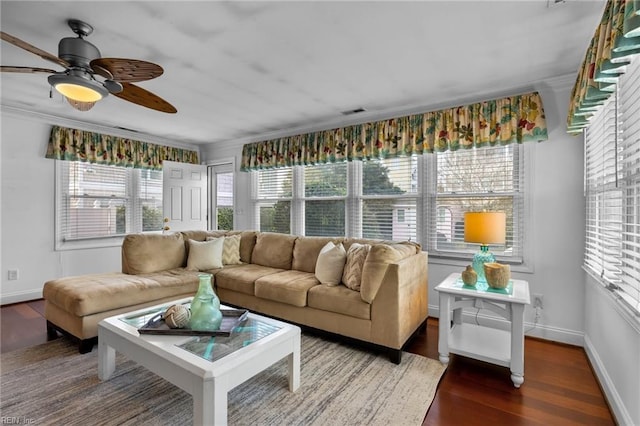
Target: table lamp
[{"x": 484, "y": 228}]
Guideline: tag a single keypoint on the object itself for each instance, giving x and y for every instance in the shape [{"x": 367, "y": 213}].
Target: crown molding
[
  {"x": 18, "y": 112},
  {"x": 561, "y": 82}
]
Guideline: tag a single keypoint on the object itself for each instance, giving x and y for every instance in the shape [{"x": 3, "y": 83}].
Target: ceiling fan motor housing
[{"x": 77, "y": 51}]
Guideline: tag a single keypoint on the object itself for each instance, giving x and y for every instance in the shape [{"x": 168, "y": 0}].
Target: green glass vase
[
  {"x": 205, "y": 307},
  {"x": 479, "y": 259}
]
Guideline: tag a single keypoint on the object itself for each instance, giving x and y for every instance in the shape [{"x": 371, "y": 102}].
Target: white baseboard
[
  {"x": 20, "y": 296},
  {"x": 541, "y": 331},
  {"x": 620, "y": 412}
]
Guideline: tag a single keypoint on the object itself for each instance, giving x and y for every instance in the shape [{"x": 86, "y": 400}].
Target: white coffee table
[
  {"x": 501, "y": 347},
  {"x": 205, "y": 368}
]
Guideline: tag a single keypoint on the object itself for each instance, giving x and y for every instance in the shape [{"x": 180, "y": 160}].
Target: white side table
[{"x": 486, "y": 344}]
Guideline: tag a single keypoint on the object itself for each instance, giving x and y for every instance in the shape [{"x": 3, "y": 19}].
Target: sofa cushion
[
  {"x": 338, "y": 299},
  {"x": 330, "y": 264},
  {"x": 374, "y": 269},
  {"x": 247, "y": 243},
  {"x": 306, "y": 251},
  {"x": 352, "y": 274},
  {"x": 205, "y": 255},
  {"x": 146, "y": 253},
  {"x": 94, "y": 293},
  {"x": 273, "y": 250},
  {"x": 242, "y": 278},
  {"x": 231, "y": 250},
  {"x": 286, "y": 287}
]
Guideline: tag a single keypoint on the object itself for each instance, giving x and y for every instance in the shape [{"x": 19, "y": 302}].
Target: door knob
[{"x": 166, "y": 228}]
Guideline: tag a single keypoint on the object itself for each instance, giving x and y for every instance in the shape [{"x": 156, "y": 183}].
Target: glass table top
[{"x": 212, "y": 348}]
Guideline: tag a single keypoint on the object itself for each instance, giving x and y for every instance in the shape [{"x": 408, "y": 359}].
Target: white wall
[
  {"x": 27, "y": 217},
  {"x": 612, "y": 342}
]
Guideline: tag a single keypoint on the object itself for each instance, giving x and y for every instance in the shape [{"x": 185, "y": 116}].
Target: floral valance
[
  {"x": 80, "y": 145},
  {"x": 500, "y": 121},
  {"x": 616, "y": 41}
]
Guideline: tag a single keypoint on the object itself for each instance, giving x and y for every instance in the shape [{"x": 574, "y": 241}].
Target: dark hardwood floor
[{"x": 559, "y": 389}]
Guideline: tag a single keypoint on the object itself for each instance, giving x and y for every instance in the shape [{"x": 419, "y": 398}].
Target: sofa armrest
[
  {"x": 401, "y": 303},
  {"x": 379, "y": 258}
]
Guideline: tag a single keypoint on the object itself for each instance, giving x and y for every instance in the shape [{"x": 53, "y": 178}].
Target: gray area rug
[{"x": 340, "y": 385}]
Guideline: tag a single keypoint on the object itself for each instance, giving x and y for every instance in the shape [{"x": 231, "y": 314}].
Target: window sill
[
  {"x": 524, "y": 268},
  {"x": 89, "y": 244}
]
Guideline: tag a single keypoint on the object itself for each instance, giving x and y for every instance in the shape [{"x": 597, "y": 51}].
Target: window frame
[
  {"x": 461, "y": 258},
  {"x": 355, "y": 198},
  {"x": 226, "y": 165},
  {"x": 602, "y": 185},
  {"x": 133, "y": 200}
]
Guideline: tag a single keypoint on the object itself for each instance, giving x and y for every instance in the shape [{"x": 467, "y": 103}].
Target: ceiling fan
[{"x": 83, "y": 63}]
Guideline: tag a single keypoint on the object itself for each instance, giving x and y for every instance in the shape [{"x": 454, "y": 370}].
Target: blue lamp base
[{"x": 479, "y": 259}]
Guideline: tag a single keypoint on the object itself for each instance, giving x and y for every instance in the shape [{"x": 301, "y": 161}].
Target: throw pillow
[
  {"x": 230, "y": 250},
  {"x": 205, "y": 255},
  {"x": 352, "y": 275},
  {"x": 330, "y": 264}
]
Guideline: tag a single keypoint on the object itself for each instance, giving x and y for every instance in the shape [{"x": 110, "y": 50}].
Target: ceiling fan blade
[
  {"x": 31, "y": 48},
  {"x": 138, "y": 95},
  {"x": 26, "y": 69},
  {"x": 126, "y": 70}
]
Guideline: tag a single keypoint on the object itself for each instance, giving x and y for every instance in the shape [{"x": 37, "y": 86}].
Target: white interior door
[{"x": 184, "y": 196}]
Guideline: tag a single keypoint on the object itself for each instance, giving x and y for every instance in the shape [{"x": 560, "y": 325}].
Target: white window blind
[
  {"x": 630, "y": 177},
  {"x": 612, "y": 191},
  {"x": 487, "y": 179},
  {"x": 325, "y": 193},
  {"x": 390, "y": 198},
  {"x": 148, "y": 184},
  {"x": 603, "y": 197},
  {"x": 273, "y": 194},
  {"x": 97, "y": 201}
]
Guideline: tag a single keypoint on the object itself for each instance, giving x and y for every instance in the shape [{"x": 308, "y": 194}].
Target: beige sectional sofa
[{"x": 276, "y": 276}]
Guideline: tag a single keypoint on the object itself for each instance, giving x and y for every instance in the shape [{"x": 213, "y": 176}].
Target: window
[
  {"x": 221, "y": 196},
  {"x": 390, "y": 192},
  {"x": 417, "y": 198},
  {"x": 325, "y": 193},
  {"x": 612, "y": 191},
  {"x": 273, "y": 195},
  {"x": 224, "y": 201},
  {"x": 488, "y": 179},
  {"x": 373, "y": 199},
  {"x": 98, "y": 202}
]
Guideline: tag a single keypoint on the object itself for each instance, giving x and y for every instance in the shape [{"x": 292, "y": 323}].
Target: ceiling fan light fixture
[
  {"x": 78, "y": 88},
  {"x": 80, "y": 106}
]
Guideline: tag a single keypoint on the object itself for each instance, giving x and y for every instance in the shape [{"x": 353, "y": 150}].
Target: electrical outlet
[
  {"x": 538, "y": 300},
  {"x": 12, "y": 275}
]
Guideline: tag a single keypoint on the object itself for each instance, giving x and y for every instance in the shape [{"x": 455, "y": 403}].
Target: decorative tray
[{"x": 231, "y": 318}]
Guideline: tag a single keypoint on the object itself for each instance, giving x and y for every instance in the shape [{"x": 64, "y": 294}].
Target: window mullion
[
  {"x": 133, "y": 208},
  {"x": 354, "y": 199},
  {"x": 297, "y": 202}
]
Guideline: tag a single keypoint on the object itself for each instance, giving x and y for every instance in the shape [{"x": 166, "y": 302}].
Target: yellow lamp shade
[{"x": 485, "y": 227}]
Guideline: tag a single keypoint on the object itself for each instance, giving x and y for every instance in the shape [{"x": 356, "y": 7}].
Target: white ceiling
[{"x": 250, "y": 70}]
